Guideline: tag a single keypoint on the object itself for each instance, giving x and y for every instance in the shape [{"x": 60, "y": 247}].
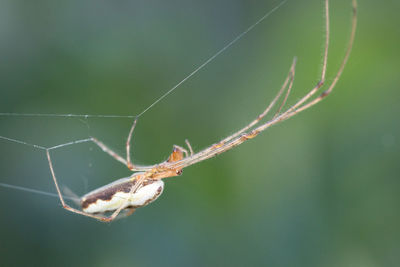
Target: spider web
[{"x": 128, "y": 116}]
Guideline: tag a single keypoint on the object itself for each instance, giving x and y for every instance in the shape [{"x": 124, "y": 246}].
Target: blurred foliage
[{"x": 321, "y": 189}]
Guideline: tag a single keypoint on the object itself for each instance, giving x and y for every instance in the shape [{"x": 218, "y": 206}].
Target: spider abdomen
[{"x": 112, "y": 196}]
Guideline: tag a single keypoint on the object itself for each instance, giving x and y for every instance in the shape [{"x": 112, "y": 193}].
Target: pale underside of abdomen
[{"x": 113, "y": 196}]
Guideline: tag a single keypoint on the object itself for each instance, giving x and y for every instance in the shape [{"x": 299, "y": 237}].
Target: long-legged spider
[{"x": 146, "y": 184}]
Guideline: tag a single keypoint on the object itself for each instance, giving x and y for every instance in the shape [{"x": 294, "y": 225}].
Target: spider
[{"x": 145, "y": 185}]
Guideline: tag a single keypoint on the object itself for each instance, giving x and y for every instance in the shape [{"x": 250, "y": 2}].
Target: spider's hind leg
[
  {"x": 71, "y": 195},
  {"x": 127, "y": 212},
  {"x": 66, "y": 206}
]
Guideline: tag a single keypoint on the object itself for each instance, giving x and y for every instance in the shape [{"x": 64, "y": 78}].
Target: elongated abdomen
[{"x": 110, "y": 197}]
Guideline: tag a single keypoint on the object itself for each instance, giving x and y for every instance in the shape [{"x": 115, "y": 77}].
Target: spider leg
[
  {"x": 127, "y": 212},
  {"x": 292, "y": 74},
  {"x": 66, "y": 206},
  {"x": 190, "y": 147},
  {"x": 74, "y": 197},
  {"x": 109, "y": 151},
  {"x": 128, "y": 146},
  {"x": 298, "y": 107},
  {"x": 325, "y": 60},
  {"x": 341, "y": 68},
  {"x": 119, "y": 158},
  {"x": 289, "y": 80},
  {"x": 98, "y": 217},
  {"x": 133, "y": 190},
  {"x": 127, "y": 162},
  {"x": 228, "y": 142},
  {"x": 241, "y": 136}
]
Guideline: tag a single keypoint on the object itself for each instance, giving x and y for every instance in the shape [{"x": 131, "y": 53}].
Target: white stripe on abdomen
[{"x": 142, "y": 197}]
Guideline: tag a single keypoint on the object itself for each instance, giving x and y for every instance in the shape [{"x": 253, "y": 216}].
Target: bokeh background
[{"x": 321, "y": 189}]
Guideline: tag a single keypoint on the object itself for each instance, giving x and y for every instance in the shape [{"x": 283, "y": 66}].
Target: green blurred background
[{"x": 321, "y": 189}]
